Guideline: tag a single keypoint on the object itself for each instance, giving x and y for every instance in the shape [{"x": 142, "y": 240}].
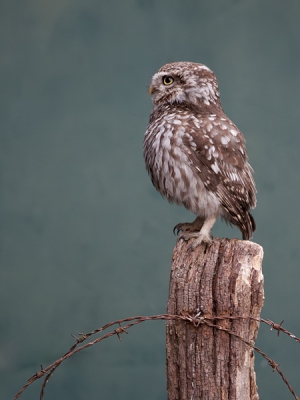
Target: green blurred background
[{"x": 85, "y": 239}]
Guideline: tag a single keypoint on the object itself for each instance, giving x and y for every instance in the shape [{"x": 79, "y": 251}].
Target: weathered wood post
[{"x": 223, "y": 279}]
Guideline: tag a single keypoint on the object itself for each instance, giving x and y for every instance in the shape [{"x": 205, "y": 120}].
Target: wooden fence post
[{"x": 223, "y": 279}]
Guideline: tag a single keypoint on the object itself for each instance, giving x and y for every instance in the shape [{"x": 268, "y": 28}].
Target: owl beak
[{"x": 151, "y": 90}]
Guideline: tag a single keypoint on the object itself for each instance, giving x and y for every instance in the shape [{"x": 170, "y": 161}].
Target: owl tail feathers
[{"x": 248, "y": 227}]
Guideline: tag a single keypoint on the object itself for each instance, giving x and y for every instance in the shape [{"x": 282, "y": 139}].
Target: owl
[{"x": 195, "y": 155}]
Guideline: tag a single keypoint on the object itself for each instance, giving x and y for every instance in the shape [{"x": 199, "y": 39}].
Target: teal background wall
[{"x": 85, "y": 239}]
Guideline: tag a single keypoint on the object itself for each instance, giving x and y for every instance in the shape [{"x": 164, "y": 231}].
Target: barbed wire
[{"x": 196, "y": 320}]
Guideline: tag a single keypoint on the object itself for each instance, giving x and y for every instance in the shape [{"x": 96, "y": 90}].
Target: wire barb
[{"x": 119, "y": 331}]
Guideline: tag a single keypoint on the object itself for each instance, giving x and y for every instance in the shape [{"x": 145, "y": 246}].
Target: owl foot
[
  {"x": 200, "y": 237},
  {"x": 189, "y": 226}
]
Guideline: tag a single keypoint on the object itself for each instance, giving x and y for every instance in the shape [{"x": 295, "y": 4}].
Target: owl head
[{"x": 184, "y": 82}]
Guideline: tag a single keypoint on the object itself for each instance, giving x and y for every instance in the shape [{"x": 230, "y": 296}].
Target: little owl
[{"x": 195, "y": 155}]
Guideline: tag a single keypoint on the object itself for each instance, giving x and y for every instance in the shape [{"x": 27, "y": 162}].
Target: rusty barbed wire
[{"x": 196, "y": 320}]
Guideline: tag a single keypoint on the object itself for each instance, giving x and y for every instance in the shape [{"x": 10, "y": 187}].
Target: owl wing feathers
[{"x": 218, "y": 153}]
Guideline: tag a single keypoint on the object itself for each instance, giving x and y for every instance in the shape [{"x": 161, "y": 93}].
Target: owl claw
[
  {"x": 198, "y": 230},
  {"x": 194, "y": 226},
  {"x": 199, "y": 238},
  {"x": 180, "y": 227}
]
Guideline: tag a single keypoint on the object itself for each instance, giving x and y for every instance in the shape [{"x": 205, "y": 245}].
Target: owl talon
[
  {"x": 194, "y": 226},
  {"x": 188, "y": 235},
  {"x": 180, "y": 227},
  {"x": 199, "y": 238}
]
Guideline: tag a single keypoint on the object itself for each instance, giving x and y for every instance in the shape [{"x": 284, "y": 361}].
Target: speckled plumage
[{"x": 194, "y": 154}]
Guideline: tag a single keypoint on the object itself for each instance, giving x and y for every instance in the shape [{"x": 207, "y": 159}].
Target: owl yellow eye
[{"x": 168, "y": 80}]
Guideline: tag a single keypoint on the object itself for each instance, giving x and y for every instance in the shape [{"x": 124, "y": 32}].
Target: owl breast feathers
[{"x": 195, "y": 155}]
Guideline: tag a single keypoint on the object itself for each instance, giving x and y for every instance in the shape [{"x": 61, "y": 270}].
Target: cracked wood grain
[{"x": 224, "y": 278}]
